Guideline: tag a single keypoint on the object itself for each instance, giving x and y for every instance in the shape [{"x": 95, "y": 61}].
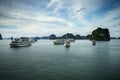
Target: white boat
[
  {"x": 20, "y": 42},
  {"x": 93, "y": 42},
  {"x": 67, "y": 43},
  {"x": 58, "y": 42}
]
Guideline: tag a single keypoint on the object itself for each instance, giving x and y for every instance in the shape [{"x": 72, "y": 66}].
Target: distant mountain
[
  {"x": 0, "y": 37},
  {"x": 100, "y": 34},
  {"x": 44, "y": 37},
  {"x": 69, "y": 36}
]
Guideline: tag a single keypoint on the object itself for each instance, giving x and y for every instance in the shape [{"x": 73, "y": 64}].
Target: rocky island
[{"x": 100, "y": 34}]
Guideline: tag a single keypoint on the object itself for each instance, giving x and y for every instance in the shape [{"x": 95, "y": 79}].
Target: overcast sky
[{"x": 44, "y": 17}]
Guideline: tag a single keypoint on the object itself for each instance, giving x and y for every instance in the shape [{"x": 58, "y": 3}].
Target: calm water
[{"x": 45, "y": 61}]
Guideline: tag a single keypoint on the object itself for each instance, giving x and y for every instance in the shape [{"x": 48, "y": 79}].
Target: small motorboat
[
  {"x": 67, "y": 43},
  {"x": 93, "y": 42}
]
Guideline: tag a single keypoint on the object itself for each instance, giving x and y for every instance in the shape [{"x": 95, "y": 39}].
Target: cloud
[{"x": 44, "y": 17}]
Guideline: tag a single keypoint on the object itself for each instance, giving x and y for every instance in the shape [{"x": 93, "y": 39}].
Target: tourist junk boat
[
  {"x": 20, "y": 42},
  {"x": 58, "y": 42}
]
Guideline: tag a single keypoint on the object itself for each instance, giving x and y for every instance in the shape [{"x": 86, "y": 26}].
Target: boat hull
[
  {"x": 58, "y": 43},
  {"x": 19, "y": 45},
  {"x": 67, "y": 45}
]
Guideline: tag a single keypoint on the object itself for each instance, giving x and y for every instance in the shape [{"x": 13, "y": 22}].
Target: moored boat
[
  {"x": 58, "y": 42},
  {"x": 67, "y": 43},
  {"x": 20, "y": 42},
  {"x": 93, "y": 42}
]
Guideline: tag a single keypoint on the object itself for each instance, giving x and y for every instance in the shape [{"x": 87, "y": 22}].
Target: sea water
[{"x": 46, "y": 61}]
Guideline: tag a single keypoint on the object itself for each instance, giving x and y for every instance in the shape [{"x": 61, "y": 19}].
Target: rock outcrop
[{"x": 100, "y": 34}]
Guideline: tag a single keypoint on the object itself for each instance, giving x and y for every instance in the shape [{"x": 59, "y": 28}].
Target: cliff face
[
  {"x": 0, "y": 37},
  {"x": 100, "y": 35}
]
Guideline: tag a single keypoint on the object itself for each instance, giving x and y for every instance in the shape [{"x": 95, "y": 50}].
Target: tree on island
[
  {"x": 100, "y": 34},
  {"x": 0, "y": 37}
]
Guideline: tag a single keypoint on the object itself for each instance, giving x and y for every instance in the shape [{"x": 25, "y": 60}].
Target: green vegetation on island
[{"x": 100, "y": 34}]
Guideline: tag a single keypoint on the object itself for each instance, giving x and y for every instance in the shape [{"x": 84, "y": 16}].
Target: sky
[{"x": 45, "y": 17}]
